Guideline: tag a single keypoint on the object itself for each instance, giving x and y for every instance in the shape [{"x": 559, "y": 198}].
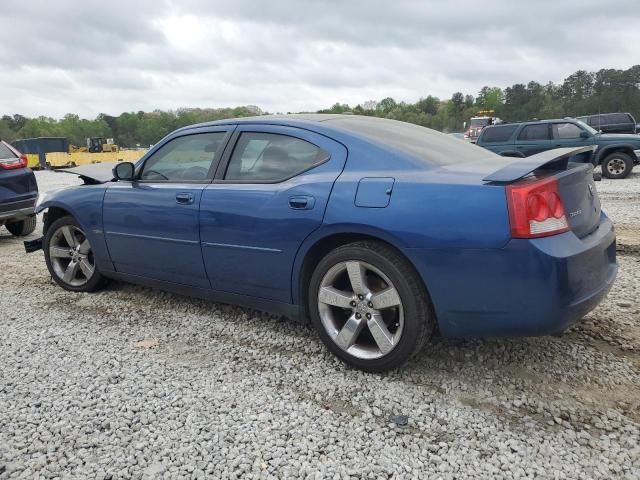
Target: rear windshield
[
  {"x": 499, "y": 133},
  {"x": 6, "y": 152},
  {"x": 423, "y": 143}
]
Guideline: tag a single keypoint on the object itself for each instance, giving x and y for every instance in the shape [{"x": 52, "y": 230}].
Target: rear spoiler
[{"x": 556, "y": 159}]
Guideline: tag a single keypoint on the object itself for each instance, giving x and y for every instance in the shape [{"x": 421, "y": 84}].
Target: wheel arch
[
  {"x": 54, "y": 212},
  {"x": 609, "y": 149},
  {"x": 319, "y": 244}
]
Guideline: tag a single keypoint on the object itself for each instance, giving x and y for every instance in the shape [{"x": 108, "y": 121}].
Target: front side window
[
  {"x": 566, "y": 130},
  {"x": 184, "y": 159},
  {"x": 537, "y": 131},
  {"x": 269, "y": 157},
  {"x": 595, "y": 121}
]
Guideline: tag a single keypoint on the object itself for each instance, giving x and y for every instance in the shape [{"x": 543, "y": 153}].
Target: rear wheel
[
  {"x": 22, "y": 228},
  {"x": 617, "y": 165},
  {"x": 369, "y": 306},
  {"x": 69, "y": 256}
]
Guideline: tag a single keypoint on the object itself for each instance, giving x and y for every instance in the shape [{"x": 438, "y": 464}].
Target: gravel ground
[{"x": 136, "y": 383}]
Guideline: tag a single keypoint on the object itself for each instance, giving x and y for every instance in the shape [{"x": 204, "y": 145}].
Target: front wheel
[
  {"x": 617, "y": 165},
  {"x": 69, "y": 256},
  {"x": 369, "y": 306}
]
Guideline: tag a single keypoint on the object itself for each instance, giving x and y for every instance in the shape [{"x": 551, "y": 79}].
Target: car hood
[
  {"x": 93, "y": 174},
  {"x": 619, "y": 137}
]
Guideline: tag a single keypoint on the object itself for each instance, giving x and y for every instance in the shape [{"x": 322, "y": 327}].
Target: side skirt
[{"x": 291, "y": 311}]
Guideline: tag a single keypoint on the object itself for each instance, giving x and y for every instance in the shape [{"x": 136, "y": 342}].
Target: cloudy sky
[{"x": 111, "y": 56}]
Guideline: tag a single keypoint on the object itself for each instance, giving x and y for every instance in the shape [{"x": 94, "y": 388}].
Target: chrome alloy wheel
[
  {"x": 71, "y": 256},
  {"x": 616, "y": 166},
  {"x": 360, "y": 309}
]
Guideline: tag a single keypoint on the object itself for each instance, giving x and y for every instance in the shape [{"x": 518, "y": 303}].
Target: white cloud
[{"x": 291, "y": 55}]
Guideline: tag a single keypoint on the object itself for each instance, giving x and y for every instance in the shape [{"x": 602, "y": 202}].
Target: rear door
[
  {"x": 534, "y": 138},
  {"x": 151, "y": 224},
  {"x": 269, "y": 194}
]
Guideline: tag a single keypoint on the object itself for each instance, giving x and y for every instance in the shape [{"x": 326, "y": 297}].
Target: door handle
[
  {"x": 184, "y": 198},
  {"x": 302, "y": 202}
]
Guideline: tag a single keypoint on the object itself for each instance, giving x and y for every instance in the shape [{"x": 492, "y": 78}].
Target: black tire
[
  {"x": 94, "y": 282},
  {"x": 419, "y": 319},
  {"x": 617, "y": 165},
  {"x": 22, "y": 228}
]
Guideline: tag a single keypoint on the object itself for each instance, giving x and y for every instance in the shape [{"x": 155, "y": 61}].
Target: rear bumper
[
  {"x": 18, "y": 194},
  {"x": 528, "y": 288},
  {"x": 17, "y": 210}
]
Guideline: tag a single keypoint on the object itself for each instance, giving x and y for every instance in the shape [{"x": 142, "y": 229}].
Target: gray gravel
[{"x": 136, "y": 383}]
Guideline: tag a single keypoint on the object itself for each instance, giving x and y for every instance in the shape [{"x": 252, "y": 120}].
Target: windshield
[
  {"x": 589, "y": 129},
  {"x": 479, "y": 122}
]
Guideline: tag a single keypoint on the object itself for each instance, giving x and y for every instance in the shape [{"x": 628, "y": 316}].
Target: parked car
[
  {"x": 377, "y": 231},
  {"x": 617, "y": 154},
  {"x": 18, "y": 192},
  {"x": 611, "y": 122}
]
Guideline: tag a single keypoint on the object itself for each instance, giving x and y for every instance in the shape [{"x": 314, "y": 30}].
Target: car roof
[
  {"x": 392, "y": 135},
  {"x": 289, "y": 119},
  {"x": 548, "y": 120}
]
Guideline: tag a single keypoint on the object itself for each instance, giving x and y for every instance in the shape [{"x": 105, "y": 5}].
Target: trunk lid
[
  {"x": 576, "y": 186},
  {"x": 581, "y": 202}
]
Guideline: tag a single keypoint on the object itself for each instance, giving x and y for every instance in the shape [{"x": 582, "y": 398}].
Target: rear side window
[
  {"x": 618, "y": 118},
  {"x": 537, "y": 131},
  {"x": 499, "y": 133},
  {"x": 270, "y": 157},
  {"x": 566, "y": 130},
  {"x": 6, "y": 152}
]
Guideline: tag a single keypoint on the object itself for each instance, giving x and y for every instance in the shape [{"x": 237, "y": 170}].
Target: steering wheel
[
  {"x": 195, "y": 173},
  {"x": 156, "y": 173}
]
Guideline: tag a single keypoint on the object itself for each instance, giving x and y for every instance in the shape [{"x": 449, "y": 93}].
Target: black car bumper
[{"x": 17, "y": 210}]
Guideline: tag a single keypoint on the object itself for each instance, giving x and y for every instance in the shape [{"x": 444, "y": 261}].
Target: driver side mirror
[
  {"x": 124, "y": 171},
  {"x": 584, "y": 134}
]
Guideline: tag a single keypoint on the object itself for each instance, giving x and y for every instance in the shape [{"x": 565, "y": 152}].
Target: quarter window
[
  {"x": 537, "y": 131},
  {"x": 566, "y": 130},
  {"x": 184, "y": 159},
  {"x": 269, "y": 157}
]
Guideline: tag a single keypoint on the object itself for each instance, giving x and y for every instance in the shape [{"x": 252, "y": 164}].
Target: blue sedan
[{"x": 378, "y": 232}]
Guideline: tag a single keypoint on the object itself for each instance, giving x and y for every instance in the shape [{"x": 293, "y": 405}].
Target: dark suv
[
  {"x": 611, "y": 122},
  {"x": 616, "y": 153},
  {"x": 18, "y": 192}
]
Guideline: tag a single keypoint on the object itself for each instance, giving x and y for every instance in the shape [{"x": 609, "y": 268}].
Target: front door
[
  {"x": 151, "y": 224},
  {"x": 268, "y": 196},
  {"x": 567, "y": 134}
]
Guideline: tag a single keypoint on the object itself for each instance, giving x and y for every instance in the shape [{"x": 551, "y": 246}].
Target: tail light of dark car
[
  {"x": 536, "y": 209},
  {"x": 16, "y": 162}
]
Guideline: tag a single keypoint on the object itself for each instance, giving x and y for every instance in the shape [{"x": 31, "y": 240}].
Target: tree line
[{"x": 581, "y": 93}]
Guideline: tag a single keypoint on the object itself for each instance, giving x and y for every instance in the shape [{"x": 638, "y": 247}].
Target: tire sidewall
[
  {"x": 23, "y": 227},
  {"x": 95, "y": 280},
  {"x": 621, "y": 156},
  {"x": 410, "y": 334}
]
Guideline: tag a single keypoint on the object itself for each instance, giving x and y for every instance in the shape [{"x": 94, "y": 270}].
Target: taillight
[
  {"x": 536, "y": 209},
  {"x": 11, "y": 163}
]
